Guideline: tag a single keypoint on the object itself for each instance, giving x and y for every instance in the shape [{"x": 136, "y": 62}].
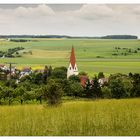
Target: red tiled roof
[
  {"x": 72, "y": 58},
  {"x": 1, "y": 65},
  {"x": 83, "y": 80}
]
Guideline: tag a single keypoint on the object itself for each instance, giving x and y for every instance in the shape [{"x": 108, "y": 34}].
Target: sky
[{"x": 70, "y": 19}]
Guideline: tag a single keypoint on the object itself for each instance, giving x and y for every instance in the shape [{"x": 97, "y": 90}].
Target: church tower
[{"x": 72, "y": 69}]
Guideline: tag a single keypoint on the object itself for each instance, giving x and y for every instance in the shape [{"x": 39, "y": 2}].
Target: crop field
[
  {"x": 92, "y": 55},
  {"x": 73, "y": 118}
]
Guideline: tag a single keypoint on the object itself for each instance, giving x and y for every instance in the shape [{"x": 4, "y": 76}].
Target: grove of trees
[{"x": 52, "y": 85}]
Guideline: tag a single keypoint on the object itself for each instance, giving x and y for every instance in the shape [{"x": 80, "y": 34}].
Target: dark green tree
[
  {"x": 19, "y": 92},
  {"x": 53, "y": 92},
  {"x": 117, "y": 88},
  {"x": 76, "y": 89},
  {"x": 96, "y": 89},
  {"x": 136, "y": 85},
  {"x": 59, "y": 72},
  {"x": 88, "y": 89},
  {"x": 74, "y": 78},
  {"x": 100, "y": 75},
  {"x": 8, "y": 93}
]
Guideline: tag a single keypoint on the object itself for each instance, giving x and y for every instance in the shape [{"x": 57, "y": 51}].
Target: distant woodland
[{"x": 72, "y": 37}]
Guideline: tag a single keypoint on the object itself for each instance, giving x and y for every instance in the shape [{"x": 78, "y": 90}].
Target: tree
[
  {"x": 82, "y": 73},
  {"x": 88, "y": 89},
  {"x": 128, "y": 86},
  {"x": 45, "y": 74},
  {"x": 26, "y": 78},
  {"x": 124, "y": 85},
  {"x": 117, "y": 88},
  {"x": 106, "y": 92},
  {"x": 29, "y": 95},
  {"x": 49, "y": 71},
  {"x": 136, "y": 85},
  {"x": 38, "y": 78},
  {"x": 100, "y": 75},
  {"x": 59, "y": 72},
  {"x": 74, "y": 78},
  {"x": 53, "y": 92},
  {"x": 39, "y": 94},
  {"x": 96, "y": 89},
  {"x": 76, "y": 89},
  {"x": 8, "y": 93},
  {"x": 1, "y": 94},
  {"x": 19, "y": 92}
]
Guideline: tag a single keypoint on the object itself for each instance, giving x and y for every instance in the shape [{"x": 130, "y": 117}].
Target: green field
[
  {"x": 56, "y": 52},
  {"x": 73, "y": 118}
]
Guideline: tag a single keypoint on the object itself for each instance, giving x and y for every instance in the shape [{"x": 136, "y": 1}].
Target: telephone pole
[{"x": 10, "y": 67}]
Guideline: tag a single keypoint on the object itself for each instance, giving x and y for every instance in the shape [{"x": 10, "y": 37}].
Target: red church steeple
[
  {"x": 72, "y": 69},
  {"x": 72, "y": 58}
]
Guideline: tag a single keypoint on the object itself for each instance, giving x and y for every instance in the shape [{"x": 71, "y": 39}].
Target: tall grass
[{"x": 73, "y": 118}]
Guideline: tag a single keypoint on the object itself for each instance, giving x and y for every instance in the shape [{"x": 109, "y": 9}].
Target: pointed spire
[{"x": 72, "y": 58}]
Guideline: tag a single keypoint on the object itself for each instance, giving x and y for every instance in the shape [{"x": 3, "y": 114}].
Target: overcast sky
[{"x": 70, "y": 19}]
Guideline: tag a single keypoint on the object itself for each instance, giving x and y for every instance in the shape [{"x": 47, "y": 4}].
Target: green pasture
[
  {"x": 56, "y": 52},
  {"x": 73, "y": 118}
]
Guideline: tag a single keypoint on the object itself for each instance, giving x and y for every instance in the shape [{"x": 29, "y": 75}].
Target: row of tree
[
  {"x": 52, "y": 84},
  {"x": 11, "y": 52}
]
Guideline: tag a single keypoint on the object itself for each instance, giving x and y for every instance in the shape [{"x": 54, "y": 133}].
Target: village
[{"x": 8, "y": 72}]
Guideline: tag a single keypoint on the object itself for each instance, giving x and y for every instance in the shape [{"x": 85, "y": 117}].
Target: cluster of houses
[{"x": 7, "y": 72}]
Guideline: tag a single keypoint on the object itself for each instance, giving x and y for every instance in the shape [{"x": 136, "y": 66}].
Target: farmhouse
[
  {"x": 72, "y": 69},
  {"x": 25, "y": 71},
  {"x": 102, "y": 81}
]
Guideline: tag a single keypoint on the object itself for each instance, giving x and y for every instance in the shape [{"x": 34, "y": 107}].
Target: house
[
  {"x": 3, "y": 67},
  {"x": 25, "y": 71},
  {"x": 83, "y": 80},
  {"x": 72, "y": 69},
  {"x": 102, "y": 81}
]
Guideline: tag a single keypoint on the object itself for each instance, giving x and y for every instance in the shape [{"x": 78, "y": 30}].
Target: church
[{"x": 72, "y": 69}]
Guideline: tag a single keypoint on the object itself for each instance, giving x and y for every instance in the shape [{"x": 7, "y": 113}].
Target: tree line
[
  {"x": 51, "y": 85},
  {"x": 12, "y": 52},
  {"x": 66, "y": 36}
]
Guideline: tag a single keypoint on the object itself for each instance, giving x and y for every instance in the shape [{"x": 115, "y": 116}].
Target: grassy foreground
[{"x": 95, "y": 118}]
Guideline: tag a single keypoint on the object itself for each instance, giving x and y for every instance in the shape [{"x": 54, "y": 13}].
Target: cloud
[
  {"x": 94, "y": 12},
  {"x": 40, "y": 10},
  {"x": 88, "y": 19}
]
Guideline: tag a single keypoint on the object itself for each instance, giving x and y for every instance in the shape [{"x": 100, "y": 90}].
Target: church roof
[{"x": 72, "y": 58}]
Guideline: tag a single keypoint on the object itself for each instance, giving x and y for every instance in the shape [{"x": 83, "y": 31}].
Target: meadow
[
  {"x": 92, "y": 55},
  {"x": 73, "y": 118}
]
